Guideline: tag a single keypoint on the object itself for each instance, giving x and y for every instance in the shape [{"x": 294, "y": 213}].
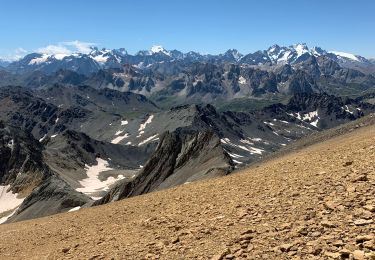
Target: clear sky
[{"x": 207, "y": 26}]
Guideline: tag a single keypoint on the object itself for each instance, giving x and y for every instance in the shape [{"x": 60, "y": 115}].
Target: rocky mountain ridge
[
  {"x": 85, "y": 63},
  {"x": 96, "y": 149}
]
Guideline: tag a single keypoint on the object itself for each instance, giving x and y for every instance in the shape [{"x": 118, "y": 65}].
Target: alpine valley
[{"x": 86, "y": 129}]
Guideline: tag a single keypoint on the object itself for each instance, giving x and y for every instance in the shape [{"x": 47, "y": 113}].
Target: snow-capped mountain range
[{"x": 105, "y": 58}]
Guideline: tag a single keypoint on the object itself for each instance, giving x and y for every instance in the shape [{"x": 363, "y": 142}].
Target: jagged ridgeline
[{"x": 227, "y": 80}]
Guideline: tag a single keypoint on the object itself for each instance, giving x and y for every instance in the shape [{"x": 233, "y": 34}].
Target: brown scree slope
[{"x": 315, "y": 203}]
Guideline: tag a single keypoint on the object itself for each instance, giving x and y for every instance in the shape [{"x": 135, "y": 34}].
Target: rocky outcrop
[
  {"x": 21, "y": 160},
  {"x": 181, "y": 156},
  {"x": 52, "y": 197}
]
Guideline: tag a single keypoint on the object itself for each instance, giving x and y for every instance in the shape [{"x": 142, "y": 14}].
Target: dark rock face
[
  {"x": 52, "y": 197},
  {"x": 21, "y": 160},
  {"x": 96, "y": 99},
  {"x": 76, "y": 149},
  {"x": 330, "y": 110},
  {"x": 181, "y": 156}
]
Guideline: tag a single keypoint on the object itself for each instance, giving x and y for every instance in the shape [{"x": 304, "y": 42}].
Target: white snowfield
[
  {"x": 151, "y": 138},
  {"x": 124, "y": 122},
  {"x": 92, "y": 183},
  {"x": 312, "y": 117},
  {"x": 118, "y": 139},
  {"x": 250, "y": 149},
  {"x": 8, "y": 201},
  {"x": 157, "y": 49},
  {"x": 142, "y": 127},
  {"x": 345, "y": 55},
  {"x": 119, "y": 132}
]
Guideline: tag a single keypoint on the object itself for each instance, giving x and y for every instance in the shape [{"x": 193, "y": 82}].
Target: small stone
[
  {"x": 358, "y": 255},
  {"x": 152, "y": 256},
  {"x": 285, "y": 247},
  {"x": 348, "y": 163},
  {"x": 338, "y": 243},
  {"x": 246, "y": 237},
  {"x": 332, "y": 255},
  {"x": 350, "y": 189},
  {"x": 362, "y": 177},
  {"x": 176, "y": 240},
  {"x": 329, "y": 205},
  {"x": 361, "y": 239},
  {"x": 65, "y": 250},
  {"x": 221, "y": 255},
  {"x": 230, "y": 256},
  {"x": 363, "y": 222},
  {"x": 370, "y": 208},
  {"x": 248, "y": 231},
  {"x": 345, "y": 253},
  {"x": 369, "y": 245},
  {"x": 239, "y": 253},
  {"x": 315, "y": 234},
  {"x": 328, "y": 224}
]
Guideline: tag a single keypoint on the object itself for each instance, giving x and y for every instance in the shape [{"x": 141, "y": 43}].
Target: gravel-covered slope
[{"x": 315, "y": 203}]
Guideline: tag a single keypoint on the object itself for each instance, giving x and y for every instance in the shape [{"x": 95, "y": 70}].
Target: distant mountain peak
[
  {"x": 159, "y": 49},
  {"x": 53, "y": 59},
  {"x": 234, "y": 53},
  {"x": 345, "y": 55},
  {"x": 300, "y": 48}
]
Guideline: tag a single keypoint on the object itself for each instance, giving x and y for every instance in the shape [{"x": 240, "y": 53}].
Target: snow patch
[
  {"x": 142, "y": 127},
  {"x": 74, "y": 209},
  {"x": 119, "y": 138},
  {"x": 269, "y": 123},
  {"x": 10, "y": 144},
  {"x": 119, "y": 132},
  {"x": 92, "y": 183},
  {"x": 346, "y": 108},
  {"x": 311, "y": 117},
  {"x": 41, "y": 139},
  {"x": 238, "y": 162},
  {"x": 345, "y": 55},
  {"x": 250, "y": 149},
  {"x": 241, "y": 80},
  {"x": 151, "y": 138},
  {"x": 39, "y": 60},
  {"x": 233, "y": 155},
  {"x": 8, "y": 199},
  {"x": 158, "y": 49}
]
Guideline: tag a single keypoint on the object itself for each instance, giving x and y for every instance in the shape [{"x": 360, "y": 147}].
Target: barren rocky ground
[{"x": 314, "y": 203}]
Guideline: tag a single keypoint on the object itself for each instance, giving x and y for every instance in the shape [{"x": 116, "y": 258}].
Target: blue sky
[{"x": 206, "y": 26}]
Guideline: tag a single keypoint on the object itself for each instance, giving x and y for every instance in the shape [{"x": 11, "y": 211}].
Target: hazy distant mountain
[
  {"x": 4, "y": 63},
  {"x": 104, "y": 58}
]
